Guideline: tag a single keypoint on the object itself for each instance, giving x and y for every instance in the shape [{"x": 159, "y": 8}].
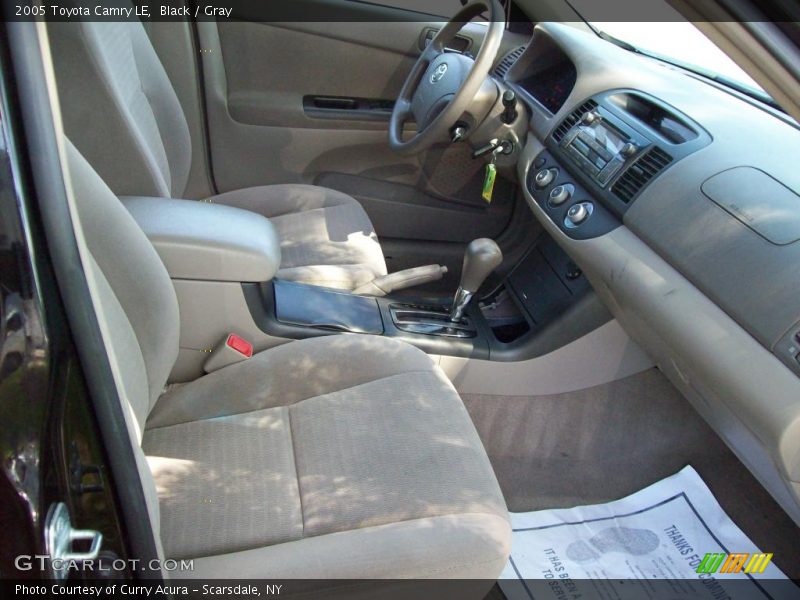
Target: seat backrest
[
  {"x": 136, "y": 294},
  {"x": 119, "y": 107},
  {"x": 137, "y": 302}
]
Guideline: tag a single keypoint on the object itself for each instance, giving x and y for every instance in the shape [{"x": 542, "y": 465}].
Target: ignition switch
[{"x": 495, "y": 146}]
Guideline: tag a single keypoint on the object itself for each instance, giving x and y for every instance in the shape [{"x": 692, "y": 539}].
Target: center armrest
[{"x": 211, "y": 242}]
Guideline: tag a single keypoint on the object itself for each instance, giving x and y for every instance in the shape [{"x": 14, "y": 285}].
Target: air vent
[
  {"x": 508, "y": 61},
  {"x": 573, "y": 118},
  {"x": 639, "y": 174}
]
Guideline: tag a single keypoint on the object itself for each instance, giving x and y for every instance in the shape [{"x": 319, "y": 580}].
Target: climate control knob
[
  {"x": 545, "y": 177},
  {"x": 561, "y": 193},
  {"x": 578, "y": 213}
]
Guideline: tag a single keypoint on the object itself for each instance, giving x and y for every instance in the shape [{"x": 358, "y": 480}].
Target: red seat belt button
[{"x": 241, "y": 345}]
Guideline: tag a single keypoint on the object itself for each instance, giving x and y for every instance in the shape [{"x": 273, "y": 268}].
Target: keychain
[{"x": 488, "y": 180}]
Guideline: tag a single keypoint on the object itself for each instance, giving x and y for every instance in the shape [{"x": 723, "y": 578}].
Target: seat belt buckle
[{"x": 234, "y": 349}]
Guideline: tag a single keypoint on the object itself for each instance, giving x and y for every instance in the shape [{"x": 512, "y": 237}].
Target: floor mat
[
  {"x": 599, "y": 444},
  {"x": 669, "y": 540}
]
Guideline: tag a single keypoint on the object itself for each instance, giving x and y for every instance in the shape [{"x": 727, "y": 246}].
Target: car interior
[{"x": 365, "y": 286}]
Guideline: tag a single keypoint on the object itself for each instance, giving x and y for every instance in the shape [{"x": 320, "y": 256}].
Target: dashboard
[{"x": 680, "y": 201}]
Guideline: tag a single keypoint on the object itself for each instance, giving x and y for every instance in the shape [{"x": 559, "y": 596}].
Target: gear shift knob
[{"x": 481, "y": 258}]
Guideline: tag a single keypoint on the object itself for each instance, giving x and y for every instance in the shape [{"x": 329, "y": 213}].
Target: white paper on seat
[{"x": 616, "y": 550}]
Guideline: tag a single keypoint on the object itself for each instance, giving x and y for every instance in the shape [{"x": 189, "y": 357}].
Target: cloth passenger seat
[{"x": 342, "y": 456}]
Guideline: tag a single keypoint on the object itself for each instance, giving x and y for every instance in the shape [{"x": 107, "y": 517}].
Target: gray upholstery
[
  {"x": 119, "y": 108},
  {"x": 137, "y": 300},
  {"x": 326, "y": 237},
  {"x": 340, "y": 456},
  {"x": 459, "y": 546},
  {"x": 124, "y": 116},
  {"x": 387, "y": 442},
  {"x": 307, "y": 370},
  {"x": 139, "y": 281}
]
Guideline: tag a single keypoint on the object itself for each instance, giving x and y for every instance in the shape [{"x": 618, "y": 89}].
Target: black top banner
[{"x": 396, "y": 10}]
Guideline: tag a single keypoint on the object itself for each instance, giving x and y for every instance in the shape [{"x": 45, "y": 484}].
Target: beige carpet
[{"x": 606, "y": 442}]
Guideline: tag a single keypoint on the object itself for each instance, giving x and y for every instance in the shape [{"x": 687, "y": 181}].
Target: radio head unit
[{"x": 600, "y": 147}]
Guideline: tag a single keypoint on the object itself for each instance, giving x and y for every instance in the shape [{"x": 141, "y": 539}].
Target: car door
[{"x": 309, "y": 101}]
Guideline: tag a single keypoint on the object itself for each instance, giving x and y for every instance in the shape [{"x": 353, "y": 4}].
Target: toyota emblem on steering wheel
[{"x": 439, "y": 72}]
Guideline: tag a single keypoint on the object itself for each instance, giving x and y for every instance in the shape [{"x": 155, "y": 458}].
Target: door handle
[
  {"x": 346, "y": 108},
  {"x": 335, "y": 103}
]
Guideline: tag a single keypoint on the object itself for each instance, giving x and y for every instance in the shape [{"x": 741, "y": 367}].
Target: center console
[
  {"x": 306, "y": 306},
  {"x": 293, "y": 310},
  {"x": 542, "y": 304},
  {"x": 453, "y": 328},
  {"x": 223, "y": 262}
]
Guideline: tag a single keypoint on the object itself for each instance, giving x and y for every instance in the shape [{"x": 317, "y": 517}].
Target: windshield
[
  {"x": 682, "y": 43},
  {"x": 672, "y": 39}
]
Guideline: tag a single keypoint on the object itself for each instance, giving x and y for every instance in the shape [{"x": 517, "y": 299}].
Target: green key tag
[{"x": 488, "y": 182}]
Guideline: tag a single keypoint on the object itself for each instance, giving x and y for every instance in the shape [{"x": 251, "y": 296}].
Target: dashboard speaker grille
[
  {"x": 572, "y": 118},
  {"x": 639, "y": 174},
  {"x": 508, "y": 61}
]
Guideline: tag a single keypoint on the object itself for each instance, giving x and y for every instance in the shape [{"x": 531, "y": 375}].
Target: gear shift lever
[{"x": 481, "y": 258}]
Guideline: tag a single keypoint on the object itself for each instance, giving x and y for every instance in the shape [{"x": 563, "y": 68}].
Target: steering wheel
[{"x": 442, "y": 84}]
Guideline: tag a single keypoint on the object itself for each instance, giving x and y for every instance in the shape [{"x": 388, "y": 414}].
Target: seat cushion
[
  {"x": 339, "y": 456},
  {"x": 326, "y": 237}
]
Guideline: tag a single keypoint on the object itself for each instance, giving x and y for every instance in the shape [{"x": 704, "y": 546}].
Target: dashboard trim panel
[{"x": 683, "y": 330}]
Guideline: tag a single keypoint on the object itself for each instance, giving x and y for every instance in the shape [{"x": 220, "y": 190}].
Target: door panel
[
  {"x": 309, "y": 102},
  {"x": 271, "y": 67}
]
